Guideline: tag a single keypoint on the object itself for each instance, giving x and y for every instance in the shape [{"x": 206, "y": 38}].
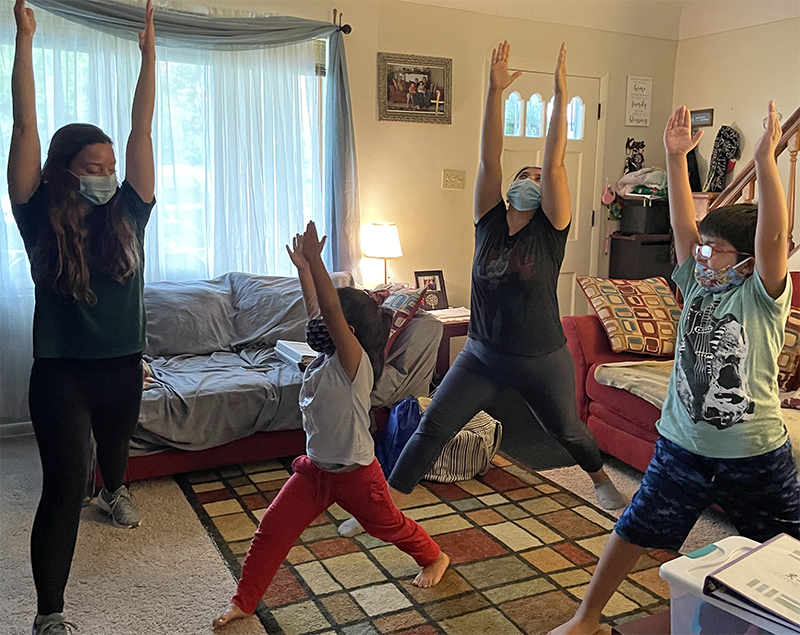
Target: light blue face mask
[
  {"x": 98, "y": 190},
  {"x": 524, "y": 195}
]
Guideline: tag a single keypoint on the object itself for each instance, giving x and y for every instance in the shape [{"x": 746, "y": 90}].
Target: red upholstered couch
[{"x": 622, "y": 423}]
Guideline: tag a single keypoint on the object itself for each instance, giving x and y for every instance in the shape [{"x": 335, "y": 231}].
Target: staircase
[{"x": 746, "y": 179}]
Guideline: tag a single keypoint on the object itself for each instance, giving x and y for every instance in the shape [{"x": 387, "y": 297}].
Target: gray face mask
[{"x": 98, "y": 190}]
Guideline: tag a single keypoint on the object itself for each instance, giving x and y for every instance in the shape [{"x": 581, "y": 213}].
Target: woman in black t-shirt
[
  {"x": 84, "y": 237},
  {"x": 515, "y": 335}
]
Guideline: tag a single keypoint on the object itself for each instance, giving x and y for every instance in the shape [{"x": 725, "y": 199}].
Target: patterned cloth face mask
[
  {"x": 719, "y": 280},
  {"x": 318, "y": 337}
]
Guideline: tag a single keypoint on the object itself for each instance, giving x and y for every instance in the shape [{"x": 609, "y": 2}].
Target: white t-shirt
[{"x": 336, "y": 413}]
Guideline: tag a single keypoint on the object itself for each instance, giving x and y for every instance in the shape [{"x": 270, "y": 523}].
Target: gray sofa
[{"x": 211, "y": 350}]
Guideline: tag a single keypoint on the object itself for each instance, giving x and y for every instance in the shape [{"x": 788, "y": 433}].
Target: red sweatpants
[{"x": 309, "y": 492}]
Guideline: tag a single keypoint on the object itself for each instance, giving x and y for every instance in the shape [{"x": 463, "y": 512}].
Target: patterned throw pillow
[
  {"x": 639, "y": 316},
  {"x": 789, "y": 359},
  {"x": 403, "y": 303}
]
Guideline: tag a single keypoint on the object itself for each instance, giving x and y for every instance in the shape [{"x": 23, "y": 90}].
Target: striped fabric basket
[{"x": 469, "y": 452}]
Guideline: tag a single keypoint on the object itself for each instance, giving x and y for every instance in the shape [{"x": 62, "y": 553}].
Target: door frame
[{"x": 590, "y": 72}]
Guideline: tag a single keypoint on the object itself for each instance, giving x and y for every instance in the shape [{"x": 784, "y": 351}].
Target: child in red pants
[{"x": 340, "y": 466}]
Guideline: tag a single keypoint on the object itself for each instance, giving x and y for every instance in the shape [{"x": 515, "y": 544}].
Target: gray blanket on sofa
[{"x": 211, "y": 350}]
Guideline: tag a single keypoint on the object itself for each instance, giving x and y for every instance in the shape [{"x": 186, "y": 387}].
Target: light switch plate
[{"x": 453, "y": 179}]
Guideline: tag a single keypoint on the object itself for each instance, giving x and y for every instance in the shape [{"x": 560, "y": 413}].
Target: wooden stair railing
[{"x": 790, "y": 139}]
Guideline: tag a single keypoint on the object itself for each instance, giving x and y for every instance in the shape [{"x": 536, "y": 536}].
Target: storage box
[
  {"x": 693, "y": 613},
  {"x": 644, "y": 216}
]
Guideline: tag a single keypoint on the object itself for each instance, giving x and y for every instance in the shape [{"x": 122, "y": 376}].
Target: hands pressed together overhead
[{"x": 306, "y": 247}]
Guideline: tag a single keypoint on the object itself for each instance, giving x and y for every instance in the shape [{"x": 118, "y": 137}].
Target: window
[
  {"x": 576, "y": 112},
  {"x": 534, "y": 117},
  {"x": 549, "y": 111},
  {"x": 237, "y": 139},
  {"x": 513, "y": 115}
]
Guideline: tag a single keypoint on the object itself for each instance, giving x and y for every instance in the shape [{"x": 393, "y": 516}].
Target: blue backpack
[{"x": 403, "y": 421}]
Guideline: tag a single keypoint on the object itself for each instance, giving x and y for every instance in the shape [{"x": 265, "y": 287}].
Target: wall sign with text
[
  {"x": 637, "y": 106},
  {"x": 702, "y": 118}
]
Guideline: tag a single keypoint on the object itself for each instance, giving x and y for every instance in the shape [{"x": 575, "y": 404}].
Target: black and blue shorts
[{"x": 760, "y": 495}]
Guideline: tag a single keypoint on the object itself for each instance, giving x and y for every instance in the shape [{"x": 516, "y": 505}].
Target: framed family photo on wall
[
  {"x": 434, "y": 296},
  {"x": 414, "y": 88}
]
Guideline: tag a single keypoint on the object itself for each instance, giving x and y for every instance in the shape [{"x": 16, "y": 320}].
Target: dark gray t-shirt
[
  {"x": 66, "y": 328},
  {"x": 514, "y": 305}
]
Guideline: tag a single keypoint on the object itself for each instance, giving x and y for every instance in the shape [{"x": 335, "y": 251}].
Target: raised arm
[
  {"x": 678, "y": 142},
  {"x": 773, "y": 218},
  {"x": 555, "y": 190},
  {"x": 304, "y": 273},
  {"x": 347, "y": 346},
  {"x": 489, "y": 182},
  {"x": 139, "y": 165},
  {"x": 25, "y": 154}
]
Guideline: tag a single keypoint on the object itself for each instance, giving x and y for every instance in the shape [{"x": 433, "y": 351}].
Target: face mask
[
  {"x": 524, "y": 195},
  {"x": 98, "y": 190},
  {"x": 719, "y": 280},
  {"x": 318, "y": 338}
]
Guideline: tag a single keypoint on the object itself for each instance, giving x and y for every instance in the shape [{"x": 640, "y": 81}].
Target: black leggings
[
  {"x": 69, "y": 400},
  {"x": 479, "y": 374}
]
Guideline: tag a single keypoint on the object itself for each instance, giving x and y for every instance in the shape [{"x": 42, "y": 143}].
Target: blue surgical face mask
[
  {"x": 98, "y": 190},
  {"x": 524, "y": 195},
  {"x": 719, "y": 280}
]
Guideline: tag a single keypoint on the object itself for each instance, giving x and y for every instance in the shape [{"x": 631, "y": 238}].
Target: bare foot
[
  {"x": 430, "y": 575},
  {"x": 231, "y": 613},
  {"x": 577, "y": 626}
]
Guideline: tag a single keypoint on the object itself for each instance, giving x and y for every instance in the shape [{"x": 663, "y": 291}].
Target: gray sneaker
[
  {"x": 120, "y": 505},
  {"x": 53, "y": 624}
]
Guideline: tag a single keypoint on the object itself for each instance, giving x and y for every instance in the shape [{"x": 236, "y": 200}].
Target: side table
[{"x": 453, "y": 327}]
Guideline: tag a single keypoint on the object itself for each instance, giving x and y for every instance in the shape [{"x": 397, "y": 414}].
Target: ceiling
[{"x": 667, "y": 19}]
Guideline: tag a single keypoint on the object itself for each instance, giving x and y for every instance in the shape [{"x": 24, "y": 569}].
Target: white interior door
[{"x": 525, "y": 126}]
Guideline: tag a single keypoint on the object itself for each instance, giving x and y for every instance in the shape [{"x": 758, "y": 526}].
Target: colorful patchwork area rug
[{"x": 522, "y": 550}]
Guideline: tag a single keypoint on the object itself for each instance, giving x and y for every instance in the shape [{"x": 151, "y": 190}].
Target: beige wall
[
  {"x": 400, "y": 164},
  {"x": 736, "y": 73}
]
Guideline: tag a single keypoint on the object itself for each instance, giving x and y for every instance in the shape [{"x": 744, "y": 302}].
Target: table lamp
[{"x": 383, "y": 241}]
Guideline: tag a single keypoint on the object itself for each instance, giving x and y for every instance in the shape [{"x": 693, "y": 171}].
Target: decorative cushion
[
  {"x": 403, "y": 303},
  {"x": 789, "y": 358},
  {"x": 639, "y": 316},
  {"x": 383, "y": 291},
  {"x": 189, "y": 318}
]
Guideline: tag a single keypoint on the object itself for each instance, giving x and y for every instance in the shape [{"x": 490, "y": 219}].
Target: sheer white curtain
[{"x": 237, "y": 139}]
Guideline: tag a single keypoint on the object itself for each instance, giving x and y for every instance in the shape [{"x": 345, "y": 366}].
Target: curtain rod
[{"x": 344, "y": 28}]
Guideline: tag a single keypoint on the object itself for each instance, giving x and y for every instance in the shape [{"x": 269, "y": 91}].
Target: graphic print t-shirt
[
  {"x": 723, "y": 400},
  {"x": 514, "y": 282}
]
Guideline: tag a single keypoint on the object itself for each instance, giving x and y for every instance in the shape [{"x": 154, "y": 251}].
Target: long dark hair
[
  {"x": 65, "y": 259},
  {"x": 371, "y": 324}
]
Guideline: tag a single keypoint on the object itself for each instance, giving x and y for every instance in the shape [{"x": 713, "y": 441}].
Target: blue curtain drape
[{"x": 203, "y": 32}]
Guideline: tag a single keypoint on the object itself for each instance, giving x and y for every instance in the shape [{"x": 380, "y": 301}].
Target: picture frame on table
[
  {"x": 415, "y": 88},
  {"x": 435, "y": 295}
]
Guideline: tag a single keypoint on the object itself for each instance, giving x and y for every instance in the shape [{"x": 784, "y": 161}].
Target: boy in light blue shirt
[{"x": 722, "y": 434}]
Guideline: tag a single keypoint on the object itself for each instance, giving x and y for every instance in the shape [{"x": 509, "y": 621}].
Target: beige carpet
[
  {"x": 165, "y": 577},
  {"x": 711, "y": 527}
]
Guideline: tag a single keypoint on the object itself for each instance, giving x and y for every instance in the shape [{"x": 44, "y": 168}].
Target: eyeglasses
[{"x": 707, "y": 251}]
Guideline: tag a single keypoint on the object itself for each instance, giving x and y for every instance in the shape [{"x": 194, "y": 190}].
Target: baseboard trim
[{"x": 23, "y": 428}]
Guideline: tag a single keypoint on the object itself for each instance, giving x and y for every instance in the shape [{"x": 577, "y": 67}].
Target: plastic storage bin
[
  {"x": 693, "y": 613},
  {"x": 644, "y": 216}
]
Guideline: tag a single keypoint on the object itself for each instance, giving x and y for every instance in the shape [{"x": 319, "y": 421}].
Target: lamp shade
[{"x": 382, "y": 241}]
